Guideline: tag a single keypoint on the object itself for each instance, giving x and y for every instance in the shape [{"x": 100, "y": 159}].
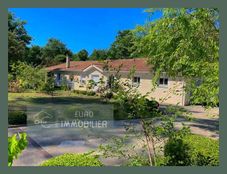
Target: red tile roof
[{"x": 140, "y": 64}]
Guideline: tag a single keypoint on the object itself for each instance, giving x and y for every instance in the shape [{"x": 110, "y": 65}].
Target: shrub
[
  {"x": 138, "y": 161},
  {"x": 90, "y": 93},
  {"x": 80, "y": 92},
  {"x": 25, "y": 76},
  {"x": 85, "y": 159},
  {"x": 15, "y": 146},
  {"x": 127, "y": 108},
  {"x": 64, "y": 84},
  {"x": 48, "y": 87},
  {"x": 107, "y": 95},
  {"x": 17, "y": 118},
  {"x": 192, "y": 150},
  {"x": 151, "y": 105}
]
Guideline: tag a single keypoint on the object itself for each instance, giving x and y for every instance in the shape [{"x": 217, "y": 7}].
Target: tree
[
  {"x": 83, "y": 55},
  {"x": 34, "y": 55},
  {"x": 185, "y": 42},
  {"x": 98, "y": 55},
  {"x": 25, "y": 76},
  {"x": 18, "y": 39},
  {"x": 155, "y": 126},
  {"x": 53, "y": 48},
  {"x": 123, "y": 46},
  {"x": 75, "y": 57}
]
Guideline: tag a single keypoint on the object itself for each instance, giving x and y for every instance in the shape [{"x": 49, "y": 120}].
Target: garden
[{"x": 158, "y": 141}]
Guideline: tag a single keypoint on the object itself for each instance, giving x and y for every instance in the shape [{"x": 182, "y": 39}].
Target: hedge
[
  {"x": 17, "y": 118},
  {"x": 68, "y": 159},
  {"x": 193, "y": 150}
]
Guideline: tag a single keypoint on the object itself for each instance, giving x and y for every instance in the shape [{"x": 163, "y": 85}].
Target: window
[
  {"x": 136, "y": 81},
  {"x": 163, "y": 81}
]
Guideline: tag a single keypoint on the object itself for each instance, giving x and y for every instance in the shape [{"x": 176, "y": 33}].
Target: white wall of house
[{"x": 171, "y": 93}]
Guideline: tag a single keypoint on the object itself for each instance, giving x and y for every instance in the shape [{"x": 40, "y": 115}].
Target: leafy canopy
[
  {"x": 98, "y": 55},
  {"x": 52, "y": 50},
  {"x": 27, "y": 76},
  {"x": 82, "y": 55},
  {"x": 123, "y": 46},
  {"x": 18, "y": 39},
  {"x": 185, "y": 42}
]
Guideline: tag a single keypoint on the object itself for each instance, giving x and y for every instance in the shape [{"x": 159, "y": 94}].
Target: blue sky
[{"x": 80, "y": 28}]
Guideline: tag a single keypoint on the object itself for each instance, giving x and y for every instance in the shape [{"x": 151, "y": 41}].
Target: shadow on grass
[{"x": 55, "y": 100}]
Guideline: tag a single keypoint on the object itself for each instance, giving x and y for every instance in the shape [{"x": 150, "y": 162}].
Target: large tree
[
  {"x": 34, "y": 55},
  {"x": 18, "y": 39},
  {"x": 185, "y": 42},
  {"x": 82, "y": 55},
  {"x": 52, "y": 50},
  {"x": 123, "y": 46},
  {"x": 98, "y": 55}
]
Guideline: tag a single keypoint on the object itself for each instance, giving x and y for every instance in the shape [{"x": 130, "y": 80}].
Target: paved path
[
  {"x": 33, "y": 155},
  {"x": 205, "y": 121},
  {"x": 52, "y": 142}
]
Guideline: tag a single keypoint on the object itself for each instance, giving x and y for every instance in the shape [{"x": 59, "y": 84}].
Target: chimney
[{"x": 67, "y": 64}]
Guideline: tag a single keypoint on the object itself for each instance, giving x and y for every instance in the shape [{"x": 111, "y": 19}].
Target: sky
[{"x": 80, "y": 28}]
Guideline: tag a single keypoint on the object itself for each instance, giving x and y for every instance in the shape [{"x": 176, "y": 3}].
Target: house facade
[{"x": 77, "y": 75}]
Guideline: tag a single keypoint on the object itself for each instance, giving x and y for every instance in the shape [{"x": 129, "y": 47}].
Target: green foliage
[
  {"x": 60, "y": 58},
  {"x": 10, "y": 77},
  {"x": 16, "y": 146},
  {"x": 64, "y": 84},
  {"x": 90, "y": 93},
  {"x": 52, "y": 50},
  {"x": 87, "y": 93},
  {"x": 18, "y": 39},
  {"x": 138, "y": 161},
  {"x": 17, "y": 118},
  {"x": 185, "y": 42},
  {"x": 98, "y": 55},
  {"x": 108, "y": 95},
  {"x": 133, "y": 102},
  {"x": 82, "y": 55},
  {"x": 48, "y": 86},
  {"x": 85, "y": 159},
  {"x": 26, "y": 76},
  {"x": 123, "y": 46},
  {"x": 192, "y": 150},
  {"x": 91, "y": 84},
  {"x": 34, "y": 56}
]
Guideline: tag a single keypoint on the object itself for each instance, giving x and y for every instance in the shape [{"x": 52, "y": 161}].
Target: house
[{"x": 78, "y": 73}]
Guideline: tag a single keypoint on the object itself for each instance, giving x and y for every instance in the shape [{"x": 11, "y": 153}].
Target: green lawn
[
  {"x": 64, "y": 97},
  {"x": 66, "y": 101},
  {"x": 20, "y": 101}
]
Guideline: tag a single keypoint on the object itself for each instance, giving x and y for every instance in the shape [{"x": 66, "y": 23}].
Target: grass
[
  {"x": 67, "y": 101},
  {"x": 61, "y": 97}
]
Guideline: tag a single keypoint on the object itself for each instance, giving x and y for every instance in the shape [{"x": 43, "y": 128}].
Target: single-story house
[{"x": 78, "y": 73}]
